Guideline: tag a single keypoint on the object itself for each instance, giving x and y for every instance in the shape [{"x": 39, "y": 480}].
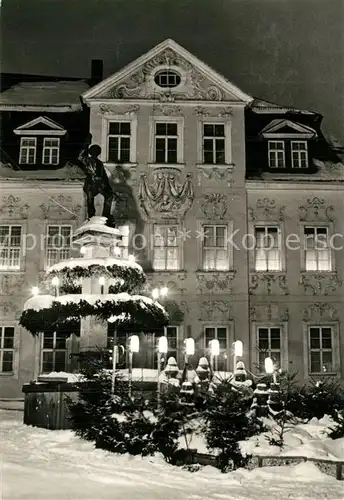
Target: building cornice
[
  {"x": 296, "y": 185},
  {"x": 154, "y": 102}
]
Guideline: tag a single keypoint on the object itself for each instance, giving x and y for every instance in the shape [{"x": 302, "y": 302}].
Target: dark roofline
[{"x": 8, "y": 80}]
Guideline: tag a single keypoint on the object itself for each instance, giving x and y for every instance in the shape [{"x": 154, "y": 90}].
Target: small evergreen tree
[{"x": 228, "y": 420}]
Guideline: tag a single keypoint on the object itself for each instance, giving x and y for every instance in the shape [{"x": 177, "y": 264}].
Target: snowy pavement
[{"x": 37, "y": 464}]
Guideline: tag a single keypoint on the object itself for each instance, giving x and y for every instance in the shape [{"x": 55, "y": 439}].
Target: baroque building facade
[{"x": 233, "y": 203}]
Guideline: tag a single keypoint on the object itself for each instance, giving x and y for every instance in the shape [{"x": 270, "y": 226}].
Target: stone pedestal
[{"x": 97, "y": 242}]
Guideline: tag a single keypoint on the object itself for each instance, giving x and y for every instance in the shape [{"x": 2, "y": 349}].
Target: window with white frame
[
  {"x": 317, "y": 249},
  {"x": 299, "y": 156},
  {"x": 171, "y": 332},
  {"x": 119, "y": 142},
  {"x": 166, "y": 142},
  {"x": 166, "y": 253},
  {"x": 6, "y": 349},
  {"x": 10, "y": 247},
  {"x": 58, "y": 244},
  {"x": 53, "y": 352},
  {"x": 221, "y": 334},
  {"x": 276, "y": 154},
  {"x": 321, "y": 349},
  {"x": 268, "y": 249},
  {"x": 269, "y": 345},
  {"x": 214, "y": 143},
  {"x": 51, "y": 151},
  {"x": 27, "y": 153},
  {"x": 215, "y": 248}
]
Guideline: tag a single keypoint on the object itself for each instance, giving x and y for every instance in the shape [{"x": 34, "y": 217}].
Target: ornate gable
[
  {"x": 193, "y": 79},
  {"x": 40, "y": 125}
]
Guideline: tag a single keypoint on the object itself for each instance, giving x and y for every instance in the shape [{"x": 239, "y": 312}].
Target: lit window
[
  {"x": 171, "y": 332},
  {"x": 54, "y": 352},
  {"x": 58, "y": 244},
  {"x": 10, "y": 247},
  {"x": 119, "y": 140},
  {"x": 215, "y": 248},
  {"x": 166, "y": 248},
  {"x": 167, "y": 79},
  {"x": 51, "y": 151},
  {"x": 269, "y": 346},
  {"x": 268, "y": 249},
  {"x": 6, "y": 348},
  {"x": 299, "y": 156},
  {"x": 166, "y": 142},
  {"x": 317, "y": 249},
  {"x": 221, "y": 334},
  {"x": 27, "y": 154},
  {"x": 276, "y": 154},
  {"x": 213, "y": 143},
  {"x": 321, "y": 349}
]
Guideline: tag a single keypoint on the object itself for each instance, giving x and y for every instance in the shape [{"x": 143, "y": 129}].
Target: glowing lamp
[
  {"x": 134, "y": 343},
  {"x": 164, "y": 291},
  {"x": 101, "y": 281},
  {"x": 35, "y": 290},
  {"x": 117, "y": 251},
  {"x": 214, "y": 347},
  {"x": 238, "y": 348},
  {"x": 55, "y": 281},
  {"x": 269, "y": 365},
  {"x": 155, "y": 293},
  {"x": 131, "y": 258},
  {"x": 83, "y": 250},
  {"x": 163, "y": 345},
  {"x": 190, "y": 346}
]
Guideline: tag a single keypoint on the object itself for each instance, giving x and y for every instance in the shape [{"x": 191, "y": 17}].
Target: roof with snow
[
  {"x": 44, "y": 94},
  {"x": 262, "y": 106},
  {"x": 68, "y": 172}
]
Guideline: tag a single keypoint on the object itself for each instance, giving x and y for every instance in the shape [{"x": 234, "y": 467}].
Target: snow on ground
[
  {"x": 38, "y": 464},
  {"x": 301, "y": 440}
]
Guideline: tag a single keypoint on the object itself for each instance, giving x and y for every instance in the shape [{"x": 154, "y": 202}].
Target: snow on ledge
[
  {"x": 86, "y": 263},
  {"x": 39, "y": 302}
]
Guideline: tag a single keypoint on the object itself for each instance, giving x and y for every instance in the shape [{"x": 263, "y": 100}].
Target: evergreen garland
[
  {"x": 133, "y": 277},
  {"x": 138, "y": 315}
]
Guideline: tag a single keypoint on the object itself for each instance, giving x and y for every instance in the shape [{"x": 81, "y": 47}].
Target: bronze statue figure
[{"x": 96, "y": 181}]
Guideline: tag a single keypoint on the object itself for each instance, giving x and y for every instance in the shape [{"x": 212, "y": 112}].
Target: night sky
[{"x": 289, "y": 51}]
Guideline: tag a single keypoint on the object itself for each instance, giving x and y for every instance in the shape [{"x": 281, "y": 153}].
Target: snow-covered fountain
[{"x": 87, "y": 292}]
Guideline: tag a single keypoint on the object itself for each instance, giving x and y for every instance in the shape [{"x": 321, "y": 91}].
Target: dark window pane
[
  {"x": 315, "y": 362},
  {"x": 326, "y": 338},
  {"x": 60, "y": 361},
  {"x": 219, "y": 130},
  {"x": 60, "y": 342},
  {"x": 47, "y": 364},
  {"x": 48, "y": 340},
  {"x": 315, "y": 338},
  {"x": 327, "y": 361},
  {"x": 222, "y": 333},
  {"x": 161, "y": 128},
  {"x": 172, "y": 129},
  {"x": 208, "y": 157},
  {"x": 208, "y": 130},
  {"x": 7, "y": 361}
]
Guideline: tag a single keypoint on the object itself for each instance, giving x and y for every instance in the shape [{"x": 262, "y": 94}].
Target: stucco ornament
[
  {"x": 60, "y": 206},
  {"x": 215, "y": 282},
  {"x": 214, "y": 206},
  {"x": 316, "y": 209},
  {"x": 266, "y": 209},
  {"x": 320, "y": 283},
  {"x": 214, "y": 175},
  {"x": 14, "y": 208},
  {"x": 216, "y": 310},
  {"x": 269, "y": 284},
  {"x": 269, "y": 312},
  {"x": 166, "y": 196},
  {"x": 194, "y": 85},
  {"x": 320, "y": 311}
]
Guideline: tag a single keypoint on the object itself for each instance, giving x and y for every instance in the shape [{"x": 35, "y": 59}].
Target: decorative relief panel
[
  {"x": 269, "y": 312},
  {"x": 213, "y": 112},
  {"x": 9, "y": 310},
  {"x": 268, "y": 284},
  {"x": 320, "y": 283},
  {"x": 14, "y": 208},
  {"x": 214, "y": 206},
  {"x": 13, "y": 284},
  {"x": 316, "y": 209},
  {"x": 216, "y": 175},
  {"x": 113, "y": 109},
  {"x": 59, "y": 206},
  {"x": 167, "y": 196},
  {"x": 266, "y": 209},
  {"x": 194, "y": 85},
  {"x": 320, "y": 312},
  {"x": 215, "y": 310},
  {"x": 214, "y": 282},
  {"x": 167, "y": 110}
]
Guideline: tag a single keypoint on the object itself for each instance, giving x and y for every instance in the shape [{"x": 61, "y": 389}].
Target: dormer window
[
  {"x": 27, "y": 154},
  {"x": 51, "y": 151},
  {"x": 276, "y": 154},
  {"x": 167, "y": 79},
  {"x": 299, "y": 156}
]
